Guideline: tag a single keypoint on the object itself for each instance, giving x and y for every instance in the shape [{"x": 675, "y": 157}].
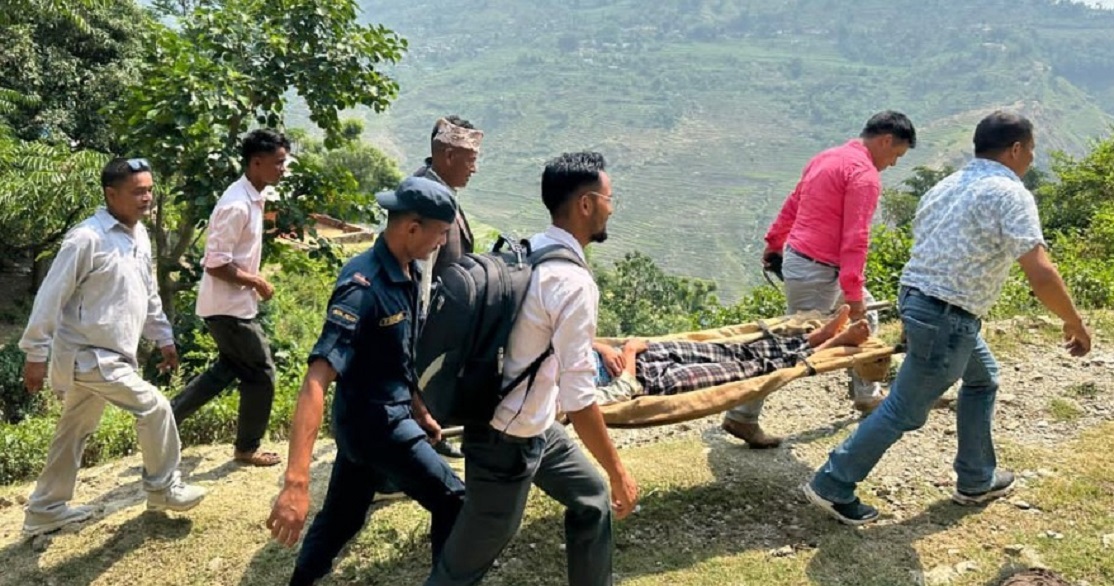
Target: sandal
[{"x": 257, "y": 458}]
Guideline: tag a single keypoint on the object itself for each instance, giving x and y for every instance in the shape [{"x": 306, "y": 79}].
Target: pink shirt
[
  {"x": 235, "y": 236},
  {"x": 828, "y": 215}
]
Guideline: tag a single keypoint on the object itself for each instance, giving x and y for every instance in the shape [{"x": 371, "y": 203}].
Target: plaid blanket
[{"x": 668, "y": 368}]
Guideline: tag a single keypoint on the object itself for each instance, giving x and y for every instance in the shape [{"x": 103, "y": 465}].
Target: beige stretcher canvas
[{"x": 871, "y": 361}]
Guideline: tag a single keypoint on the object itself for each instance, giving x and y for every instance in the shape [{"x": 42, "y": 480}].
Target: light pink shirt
[
  {"x": 235, "y": 236},
  {"x": 828, "y": 215},
  {"x": 560, "y": 308}
]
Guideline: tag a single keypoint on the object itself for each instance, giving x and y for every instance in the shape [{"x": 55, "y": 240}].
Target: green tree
[
  {"x": 900, "y": 205},
  {"x": 372, "y": 170},
  {"x": 73, "y": 61},
  {"x": 44, "y": 189},
  {"x": 226, "y": 66},
  {"x": 63, "y": 67},
  {"x": 1085, "y": 185},
  {"x": 638, "y": 298}
]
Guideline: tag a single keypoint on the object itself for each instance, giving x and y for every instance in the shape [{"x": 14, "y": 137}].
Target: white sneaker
[
  {"x": 39, "y": 523},
  {"x": 176, "y": 497}
]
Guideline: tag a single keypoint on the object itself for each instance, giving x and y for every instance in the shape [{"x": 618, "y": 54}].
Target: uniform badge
[
  {"x": 392, "y": 320},
  {"x": 343, "y": 315}
]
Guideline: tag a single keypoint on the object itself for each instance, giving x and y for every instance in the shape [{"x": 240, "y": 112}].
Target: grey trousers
[
  {"x": 81, "y": 413},
  {"x": 497, "y": 476},
  {"x": 245, "y": 354},
  {"x": 810, "y": 286}
]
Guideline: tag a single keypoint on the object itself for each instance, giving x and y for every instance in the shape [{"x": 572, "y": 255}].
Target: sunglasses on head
[{"x": 137, "y": 165}]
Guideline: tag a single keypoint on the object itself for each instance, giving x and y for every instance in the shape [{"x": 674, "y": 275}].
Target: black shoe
[
  {"x": 1003, "y": 483},
  {"x": 447, "y": 450},
  {"x": 852, "y": 513}
]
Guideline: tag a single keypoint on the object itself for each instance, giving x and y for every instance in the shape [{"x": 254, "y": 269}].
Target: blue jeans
[{"x": 942, "y": 345}]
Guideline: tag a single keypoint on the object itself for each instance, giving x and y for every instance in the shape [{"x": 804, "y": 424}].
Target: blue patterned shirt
[{"x": 968, "y": 231}]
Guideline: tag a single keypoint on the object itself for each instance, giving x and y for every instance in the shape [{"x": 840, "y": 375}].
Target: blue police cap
[{"x": 425, "y": 197}]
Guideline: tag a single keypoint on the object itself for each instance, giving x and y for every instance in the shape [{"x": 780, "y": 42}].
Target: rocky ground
[{"x": 728, "y": 502}]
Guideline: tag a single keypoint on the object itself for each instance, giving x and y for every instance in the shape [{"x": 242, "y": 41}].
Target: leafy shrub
[
  {"x": 16, "y": 403},
  {"x": 24, "y": 447},
  {"x": 889, "y": 251}
]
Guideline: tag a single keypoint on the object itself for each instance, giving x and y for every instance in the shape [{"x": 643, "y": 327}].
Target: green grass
[
  {"x": 1085, "y": 390},
  {"x": 1064, "y": 410}
]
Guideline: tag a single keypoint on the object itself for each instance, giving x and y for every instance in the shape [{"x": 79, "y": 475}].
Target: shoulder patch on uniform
[
  {"x": 392, "y": 319},
  {"x": 341, "y": 314},
  {"x": 361, "y": 279}
]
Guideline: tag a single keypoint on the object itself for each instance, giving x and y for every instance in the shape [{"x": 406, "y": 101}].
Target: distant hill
[{"x": 708, "y": 109}]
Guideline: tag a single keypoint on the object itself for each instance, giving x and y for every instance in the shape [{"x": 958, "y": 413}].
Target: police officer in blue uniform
[{"x": 383, "y": 430}]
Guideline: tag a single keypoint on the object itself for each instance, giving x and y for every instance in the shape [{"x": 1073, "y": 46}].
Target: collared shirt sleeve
[
  {"x": 226, "y": 226},
  {"x": 571, "y": 299},
  {"x": 779, "y": 230},
  {"x": 349, "y": 306},
  {"x": 1021, "y": 226},
  {"x": 859, "y": 202},
  {"x": 73, "y": 262}
]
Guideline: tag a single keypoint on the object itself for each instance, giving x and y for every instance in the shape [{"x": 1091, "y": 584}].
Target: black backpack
[{"x": 472, "y": 307}]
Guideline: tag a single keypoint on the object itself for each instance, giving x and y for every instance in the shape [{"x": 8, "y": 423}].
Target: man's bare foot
[
  {"x": 830, "y": 329},
  {"x": 256, "y": 458},
  {"x": 854, "y": 335}
]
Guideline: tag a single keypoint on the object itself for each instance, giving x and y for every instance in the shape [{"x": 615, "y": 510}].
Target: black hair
[
  {"x": 566, "y": 175},
  {"x": 262, "y": 141},
  {"x": 999, "y": 131},
  {"x": 893, "y": 123},
  {"x": 120, "y": 168},
  {"x": 399, "y": 216}
]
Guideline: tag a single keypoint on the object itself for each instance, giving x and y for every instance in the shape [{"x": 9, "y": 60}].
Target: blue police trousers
[{"x": 410, "y": 463}]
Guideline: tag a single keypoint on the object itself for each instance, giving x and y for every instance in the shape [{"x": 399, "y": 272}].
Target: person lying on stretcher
[{"x": 680, "y": 366}]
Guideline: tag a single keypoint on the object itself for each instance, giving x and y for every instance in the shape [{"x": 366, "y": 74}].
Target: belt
[
  {"x": 948, "y": 307},
  {"x": 488, "y": 435},
  {"x": 810, "y": 259}
]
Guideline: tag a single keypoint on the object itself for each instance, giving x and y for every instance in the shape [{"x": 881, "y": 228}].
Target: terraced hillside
[{"x": 707, "y": 109}]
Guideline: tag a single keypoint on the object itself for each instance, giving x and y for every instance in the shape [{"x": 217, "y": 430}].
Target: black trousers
[
  {"x": 245, "y": 354},
  {"x": 499, "y": 471}
]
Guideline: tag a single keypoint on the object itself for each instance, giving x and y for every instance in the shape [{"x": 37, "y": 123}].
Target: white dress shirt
[
  {"x": 235, "y": 236},
  {"x": 98, "y": 298},
  {"x": 560, "y": 308}
]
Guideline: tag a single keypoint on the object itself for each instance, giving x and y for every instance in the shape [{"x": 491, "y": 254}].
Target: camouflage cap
[{"x": 450, "y": 134}]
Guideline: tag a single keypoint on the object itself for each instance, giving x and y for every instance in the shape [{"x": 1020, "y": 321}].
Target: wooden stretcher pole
[
  {"x": 879, "y": 305},
  {"x": 451, "y": 432}
]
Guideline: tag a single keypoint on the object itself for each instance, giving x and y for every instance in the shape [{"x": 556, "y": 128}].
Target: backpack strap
[
  {"x": 535, "y": 258},
  {"x": 556, "y": 252},
  {"x": 531, "y": 372}
]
